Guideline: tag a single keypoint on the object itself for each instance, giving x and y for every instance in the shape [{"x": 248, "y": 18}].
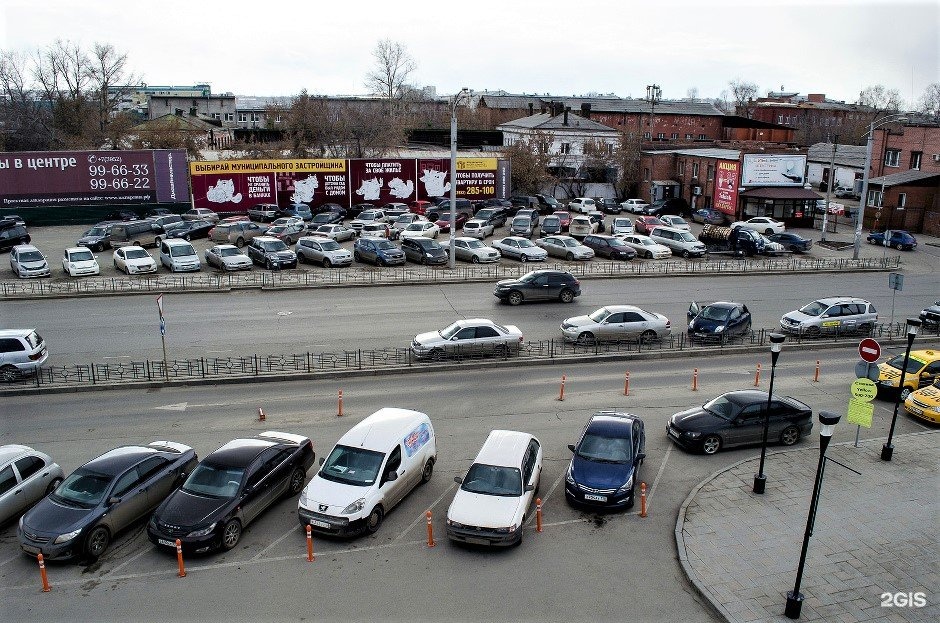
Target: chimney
[
  {"x": 567, "y": 108},
  {"x": 531, "y": 109},
  {"x": 817, "y": 98},
  {"x": 586, "y": 111}
]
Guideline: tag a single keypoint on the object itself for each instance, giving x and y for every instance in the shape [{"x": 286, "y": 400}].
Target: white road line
[
  {"x": 565, "y": 523},
  {"x": 11, "y": 559},
  {"x": 127, "y": 562},
  {"x": 649, "y": 498},
  {"x": 548, "y": 494},
  {"x": 422, "y": 516},
  {"x": 276, "y": 541}
]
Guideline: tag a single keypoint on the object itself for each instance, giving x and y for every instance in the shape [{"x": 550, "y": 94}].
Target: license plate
[
  {"x": 319, "y": 524},
  {"x": 595, "y": 498},
  {"x": 166, "y": 542},
  {"x": 672, "y": 433},
  {"x": 476, "y": 541},
  {"x": 29, "y": 549},
  {"x": 915, "y": 410}
]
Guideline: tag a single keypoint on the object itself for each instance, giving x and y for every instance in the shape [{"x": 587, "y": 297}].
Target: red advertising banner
[
  {"x": 382, "y": 181},
  {"x": 726, "y": 187},
  {"x": 477, "y": 178}
]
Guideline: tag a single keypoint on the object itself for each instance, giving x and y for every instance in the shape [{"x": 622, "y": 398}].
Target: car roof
[
  {"x": 610, "y": 423},
  {"x": 116, "y": 461},
  {"x": 374, "y": 432},
  {"x": 12, "y": 451},
  {"x": 15, "y": 332},
  {"x": 239, "y": 452},
  {"x": 724, "y": 304},
  {"x": 838, "y": 300},
  {"x": 622, "y": 308},
  {"x": 72, "y": 249},
  {"x": 26, "y": 247},
  {"x": 503, "y": 448},
  {"x": 928, "y": 354}
]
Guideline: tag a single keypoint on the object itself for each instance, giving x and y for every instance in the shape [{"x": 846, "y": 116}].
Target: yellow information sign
[
  {"x": 864, "y": 389},
  {"x": 860, "y": 412}
]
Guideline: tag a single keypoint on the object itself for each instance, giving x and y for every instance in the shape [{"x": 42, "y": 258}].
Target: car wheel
[
  {"x": 515, "y": 297},
  {"x": 8, "y": 373},
  {"x": 356, "y": 256},
  {"x": 897, "y": 246},
  {"x": 157, "y": 240},
  {"x": 240, "y": 242},
  {"x": 427, "y": 471},
  {"x": 566, "y": 296},
  {"x": 327, "y": 263},
  {"x": 864, "y": 329},
  {"x": 297, "y": 481},
  {"x": 768, "y": 231},
  {"x": 648, "y": 255},
  {"x": 136, "y": 243},
  {"x": 187, "y": 237},
  {"x": 231, "y": 534},
  {"x": 711, "y": 444},
  {"x": 374, "y": 520},
  {"x": 97, "y": 542},
  {"x": 686, "y": 254},
  {"x": 53, "y": 485},
  {"x": 790, "y": 435},
  {"x": 474, "y": 259},
  {"x": 794, "y": 248},
  {"x": 586, "y": 338},
  {"x": 523, "y": 258},
  {"x": 905, "y": 393},
  {"x": 647, "y": 336},
  {"x": 570, "y": 257},
  {"x": 436, "y": 354},
  {"x": 871, "y": 241}
]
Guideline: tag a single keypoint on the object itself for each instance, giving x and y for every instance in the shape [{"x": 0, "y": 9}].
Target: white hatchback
[{"x": 79, "y": 261}]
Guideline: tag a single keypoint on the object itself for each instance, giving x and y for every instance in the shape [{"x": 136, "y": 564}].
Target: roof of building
[
  {"x": 846, "y": 155},
  {"x": 603, "y": 104},
  {"x": 546, "y": 121},
  {"x": 781, "y": 192},
  {"x": 904, "y": 177},
  {"x": 701, "y": 152}
]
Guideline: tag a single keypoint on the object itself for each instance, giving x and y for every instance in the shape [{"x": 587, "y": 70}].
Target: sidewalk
[{"x": 875, "y": 533}]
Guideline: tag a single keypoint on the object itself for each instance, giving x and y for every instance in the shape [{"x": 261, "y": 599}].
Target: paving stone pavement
[{"x": 874, "y": 534}]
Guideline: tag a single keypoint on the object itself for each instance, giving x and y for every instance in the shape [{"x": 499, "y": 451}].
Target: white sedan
[
  {"x": 565, "y": 247},
  {"x": 621, "y": 226},
  {"x": 339, "y": 233},
  {"x": 762, "y": 224},
  {"x": 134, "y": 260},
  {"x": 646, "y": 247},
  {"x": 78, "y": 261},
  {"x": 521, "y": 249},
  {"x": 634, "y": 206},
  {"x": 227, "y": 257},
  {"x": 473, "y": 337},
  {"x": 421, "y": 229}
]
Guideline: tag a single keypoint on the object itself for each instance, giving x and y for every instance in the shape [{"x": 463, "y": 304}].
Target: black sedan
[
  {"x": 229, "y": 489},
  {"x": 792, "y": 242},
  {"x": 608, "y": 206},
  {"x": 737, "y": 419},
  {"x": 99, "y": 499},
  {"x": 191, "y": 230},
  {"x": 720, "y": 322}
]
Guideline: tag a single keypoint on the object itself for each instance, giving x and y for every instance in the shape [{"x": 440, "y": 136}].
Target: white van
[
  {"x": 179, "y": 256},
  {"x": 370, "y": 470}
]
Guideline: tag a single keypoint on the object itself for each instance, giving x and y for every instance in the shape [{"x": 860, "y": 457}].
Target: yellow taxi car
[
  {"x": 925, "y": 403},
  {"x": 923, "y": 368}
]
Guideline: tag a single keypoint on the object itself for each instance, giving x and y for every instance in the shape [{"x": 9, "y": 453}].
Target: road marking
[
  {"x": 649, "y": 498},
  {"x": 179, "y": 406},
  {"x": 422, "y": 516},
  {"x": 127, "y": 562},
  {"x": 11, "y": 559},
  {"x": 545, "y": 499},
  {"x": 276, "y": 541},
  {"x": 118, "y": 357}
]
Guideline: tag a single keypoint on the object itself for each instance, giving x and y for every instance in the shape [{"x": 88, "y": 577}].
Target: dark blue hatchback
[{"x": 603, "y": 469}]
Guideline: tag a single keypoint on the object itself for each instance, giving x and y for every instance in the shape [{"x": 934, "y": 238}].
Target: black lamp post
[
  {"x": 776, "y": 344},
  {"x": 828, "y": 423},
  {"x": 887, "y": 450}
]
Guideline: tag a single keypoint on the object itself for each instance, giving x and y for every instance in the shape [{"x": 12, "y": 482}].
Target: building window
[
  {"x": 646, "y": 174},
  {"x": 874, "y": 198},
  {"x": 680, "y": 168},
  {"x": 688, "y": 137},
  {"x": 566, "y": 148},
  {"x": 694, "y": 169},
  {"x": 711, "y": 172},
  {"x": 661, "y": 136},
  {"x": 674, "y": 135},
  {"x": 230, "y": 116},
  {"x": 243, "y": 117},
  {"x": 277, "y": 118},
  {"x": 916, "y": 157},
  {"x": 647, "y": 135},
  {"x": 610, "y": 149},
  {"x": 902, "y": 200},
  {"x": 780, "y": 119},
  {"x": 217, "y": 115},
  {"x": 892, "y": 157},
  {"x": 701, "y": 137}
]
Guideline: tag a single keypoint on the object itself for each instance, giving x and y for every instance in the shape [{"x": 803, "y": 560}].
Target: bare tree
[
  {"x": 25, "y": 118},
  {"x": 627, "y": 161},
  {"x": 723, "y": 103},
  {"x": 881, "y": 99},
  {"x": 530, "y": 160},
  {"x": 929, "y": 102},
  {"x": 691, "y": 93},
  {"x": 109, "y": 80},
  {"x": 743, "y": 94},
  {"x": 393, "y": 67}
]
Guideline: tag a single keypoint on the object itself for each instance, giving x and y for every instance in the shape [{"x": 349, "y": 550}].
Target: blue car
[
  {"x": 894, "y": 238},
  {"x": 718, "y": 322},
  {"x": 603, "y": 470}
]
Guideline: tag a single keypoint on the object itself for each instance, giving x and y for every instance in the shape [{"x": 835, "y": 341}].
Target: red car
[
  {"x": 419, "y": 207},
  {"x": 645, "y": 224},
  {"x": 444, "y": 221},
  {"x": 564, "y": 217}
]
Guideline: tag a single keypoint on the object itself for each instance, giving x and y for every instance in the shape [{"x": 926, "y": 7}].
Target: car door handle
[{"x": 17, "y": 492}]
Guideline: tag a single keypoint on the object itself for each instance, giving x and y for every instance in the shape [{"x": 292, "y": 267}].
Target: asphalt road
[{"x": 582, "y": 567}]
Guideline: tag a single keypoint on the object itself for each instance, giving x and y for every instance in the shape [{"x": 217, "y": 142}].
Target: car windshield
[
  {"x": 616, "y": 242},
  {"x": 678, "y": 220},
  {"x": 599, "y": 315},
  {"x": 352, "y": 466},
  {"x": 913, "y": 365},
  {"x": 722, "y": 407},
  {"x": 568, "y": 242},
  {"x": 136, "y": 254},
  {"x": 415, "y": 227},
  {"x": 521, "y": 222},
  {"x": 622, "y": 222},
  {"x": 96, "y": 231},
  {"x": 450, "y": 331},
  {"x": 182, "y": 251},
  {"x": 274, "y": 245},
  {"x": 384, "y": 244},
  {"x": 277, "y": 229},
  {"x": 644, "y": 241},
  {"x": 526, "y": 244},
  {"x": 715, "y": 313},
  {"x": 493, "y": 480},
  {"x": 603, "y": 449},
  {"x": 81, "y": 256},
  {"x": 686, "y": 237},
  {"x": 214, "y": 481},
  {"x": 474, "y": 244},
  {"x": 321, "y": 218},
  {"x": 551, "y": 220},
  {"x": 330, "y": 245},
  {"x": 229, "y": 252},
  {"x": 31, "y": 256},
  {"x": 815, "y": 308},
  {"x": 84, "y": 488}
]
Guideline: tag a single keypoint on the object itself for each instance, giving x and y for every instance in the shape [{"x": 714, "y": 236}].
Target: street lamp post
[
  {"x": 899, "y": 117},
  {"x": 887, "y": 450},
  {"x": 452, "y": 255},
  {"x": 653, "y": 95},
  {"x": 776, "y": 344},
  {"x": 828, "y": 422}
]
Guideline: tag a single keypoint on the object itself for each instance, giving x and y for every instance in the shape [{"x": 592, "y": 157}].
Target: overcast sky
[{"x": 836, "y": 47}]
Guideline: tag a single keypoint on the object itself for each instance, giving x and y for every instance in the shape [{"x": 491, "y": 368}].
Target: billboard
[
  {"x": 383, "y": 181},
  {"x": 773, "y": 170},
  {"x": 69, "y": 178},
  {"x": 725, "y": 198},
  {"x": 477, "y": 178}
]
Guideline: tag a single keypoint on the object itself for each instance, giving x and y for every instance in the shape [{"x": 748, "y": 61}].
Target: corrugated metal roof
[
  {"x": 545, "y": 121},
  {"x": 847, "y": 155},
  {"x": 904, "y": 177},
  {"x": 703, "y": 152}
]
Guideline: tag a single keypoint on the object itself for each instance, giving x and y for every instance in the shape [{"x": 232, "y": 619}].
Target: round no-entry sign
[{"x": 869, "y": 350}]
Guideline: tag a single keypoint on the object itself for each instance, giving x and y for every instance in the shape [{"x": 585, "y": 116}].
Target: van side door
[{"x": 394, "y": 490}]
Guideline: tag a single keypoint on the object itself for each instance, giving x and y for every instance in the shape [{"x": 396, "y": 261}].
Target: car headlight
[
  {"x": 428, "y": 255},
  {"x": 719, "y": 329},
  {"x": 691, "y": 326},
  {"x": 568, "y": 477},
  {"x": 508, "y": 530},
  {"x": 203, "y": 532},
  {"x": 626, "y": 486},
  {"x": 355, "y": 507},
  {"x": 692, "y": 434},
  {"x": 68, "y": 536}
]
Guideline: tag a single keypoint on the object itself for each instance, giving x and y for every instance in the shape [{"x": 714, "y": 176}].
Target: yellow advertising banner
[
  {"x": 860, "y": 412},
  {"x": 223, "y": 167},
  {"x": 476, "y": 164}
]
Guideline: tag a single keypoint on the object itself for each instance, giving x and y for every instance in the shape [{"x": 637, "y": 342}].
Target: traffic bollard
[
  {"x": 260, "y": 414},
  {"x": 339, "y": 412},
  {"x": 42, "y": 574},
  {"x": 179, "y": 558},
  {"x": 757, "y": 377},
  {"x": 310, "y": 556},
  {"x": 431, "y": 542},
  {"x": 626, "y": 383},
  {"x": 538, "y": 514},
  {"x": 816, "y": 378},
  {"x": 561, "y": 394},
  {"x": 642, "y": 499},
  {"x": 695, "y": 379}
]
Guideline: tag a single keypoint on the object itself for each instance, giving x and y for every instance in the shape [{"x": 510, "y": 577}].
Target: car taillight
[
  {"x": 576, "y": 282},
  {"x": 520, "y": 339},
  {"x": 668, "y": 324},
  {"x": 36, "y": 356}
]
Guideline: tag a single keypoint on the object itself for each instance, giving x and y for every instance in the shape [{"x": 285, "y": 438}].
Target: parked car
[
  {"x": 320, "y": 250},
  {"x": 675, "y": 205},
  {"x": 263, "y": 212},
  {"x": 521, "y": 226},
  {"x": 565, "y": 218},
  {"x": 550, "y": 225},
  {"x": 419, "y": 206},
  {"x": 229, "y": 489},
  {"x": 582, "y": 204},
  {"x": 334, "y": 208},
  {"x": 376, "y": 230},
  {"x": 179, "y": 256},
  {"x": 634, "y": 206},
  {"x": 22, "y": 352},
  {"x": 133, "y": 260},
  {"x": 237, "y": 218},
  {"x": 736, "y": 241},
  {"x": 645, "y": 224},
  {"x": 371, "y": 468},
  {"x": 155, "y": 212},
  {"x": 271, "y": 253},
  {"x": 394, "y": 210},
  {"x": 492, "y": 503},
  {"x": 473, "y": 251},
  {"x": 339, "y": 233},
  {"x": 200, "y": 214},
  {"x": 762, "y": 224},
  {"x": 165, "y": 219},
  {"x": 12, "y": 234},
  {"x": 325, "y": 218},
  {"x": 737, "y": 418},
  {"x": 97, "y": 238},
  {"x": 378, "y": 251},
  {"x": 80, "y": 261},
  {"x": 565, "y": 247},
  {"x": 423, "y": 251},
  {"x": 194, "y": 230},
  {"x": 539, "y": 285},
  {"x": 930, "y": 316},
  {"x": 895, "y": 238},
  {"x": 402, "y": 221},
  {"x": 621, "y": 226},
  {"x": 420, "y": 229},
  {"x": 356, "y": 210},
  {"x": 837, "y": 314},
  {"x": 104, "y": 496},
  {"x": 680, "y": 241},
  {"x": 286, "y": 220},
  {"x": 288, "y": 233},
  {"x": 547, "y": 204},
  {"x": 297, "y": 210},
  {"x": 367, "y": 216},
  {"x": 792, "y": 242},
  {"x": 676, "y": 222},
  {"x": 473, "y": 337},
  {"x": 598, "y": 219},
  {"x": 122, "y": 215},
  {"x": 721, "y": 321},
  {"x": 26, "y": 476},
  {"x": 227, "y": 257},
  {"x": 607, "y": 457},
  {"x": 477, "y": 228},
  {"x": 27, "y": 261},
  {"x": 844, "y": 192},
  {"x": 925, "y": 402},
  {"x": 442, "y": 220},
  {"x": 581, "y": 226},
  {"x": 611, "y": 247},
  {"x": 521, "y": 249},
  {"x": 495, "y": 216},
  {"x": 525, "y": 201},
  {"x": 608, "y": 206},
  {"x": 238, "y": 233},
  {"x": 616, "y": 323},
  {"x": 646, "y": 247},
  {"x": 707, "y": 216},
  {"x": 923, "y": 368}
]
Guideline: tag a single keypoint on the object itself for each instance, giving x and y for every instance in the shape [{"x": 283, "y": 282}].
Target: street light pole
[
  {"x": 452, "y": 255},
  {"x": 653, "y": 95},
  {"x": 887, "y": 450},
  {"x": 828, "y": 422},
  {"x": 776, "y": 344}
]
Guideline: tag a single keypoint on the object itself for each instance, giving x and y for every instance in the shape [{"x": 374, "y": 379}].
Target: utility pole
[
  {"x": 653, "y": 95},
  {"x": 832, "y": 180}
]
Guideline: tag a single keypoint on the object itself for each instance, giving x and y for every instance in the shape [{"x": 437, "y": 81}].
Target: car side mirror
[
  {"x": 529, "y": 488},
  {"x": 322, "y": 460},
  {"x": 640, "y": 457},
  {"x": 114, "y": 500},
  {"x": 458, "y": 480},
  {"x": 571, "y": 447},
  {"x": 391, "y": 476}
]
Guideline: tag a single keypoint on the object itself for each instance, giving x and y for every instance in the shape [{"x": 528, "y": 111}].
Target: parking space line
[
  {"x": 548, "y": 494},
  {"x": 128, "y": 561},
  {"x": 276, "y": 541},
  {"x": 10, "y": 559},
  {"x": 649, "y": 498},
  {"x": 422, "y": 516},
  {"x": 565, "y": 522}
]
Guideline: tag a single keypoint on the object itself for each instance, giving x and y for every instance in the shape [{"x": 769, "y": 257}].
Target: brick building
[{"x": 814, "y": 118}]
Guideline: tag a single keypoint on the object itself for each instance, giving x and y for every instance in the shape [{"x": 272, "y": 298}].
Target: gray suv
[{"x": 838, "y": 314}]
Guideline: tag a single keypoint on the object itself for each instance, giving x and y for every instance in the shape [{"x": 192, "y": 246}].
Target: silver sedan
[
  {"x": 227, "y": 257},
  {"x": 616, "y": 322},
  {"x": 476, "y": 336},
  {"x": 26, "y": 476},
  {"x": 565, "y": 247},
  {"x": 339, "y": 233}
]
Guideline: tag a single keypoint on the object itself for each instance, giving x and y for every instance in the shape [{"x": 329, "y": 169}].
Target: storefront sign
[{"x": 726, "y": 186}]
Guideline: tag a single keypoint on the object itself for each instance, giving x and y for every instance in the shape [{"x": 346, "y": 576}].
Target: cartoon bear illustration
[
  {"x": 223, "y": 192},
  {"x": 434, "y": 183},
  {"x": 401, "y": 189},
  {"x": 370, "y": 189},
  {"x": 304, "y": 190}
]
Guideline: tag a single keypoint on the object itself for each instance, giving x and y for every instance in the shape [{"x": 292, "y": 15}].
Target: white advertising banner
[{"x": 773, "y": 170}]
